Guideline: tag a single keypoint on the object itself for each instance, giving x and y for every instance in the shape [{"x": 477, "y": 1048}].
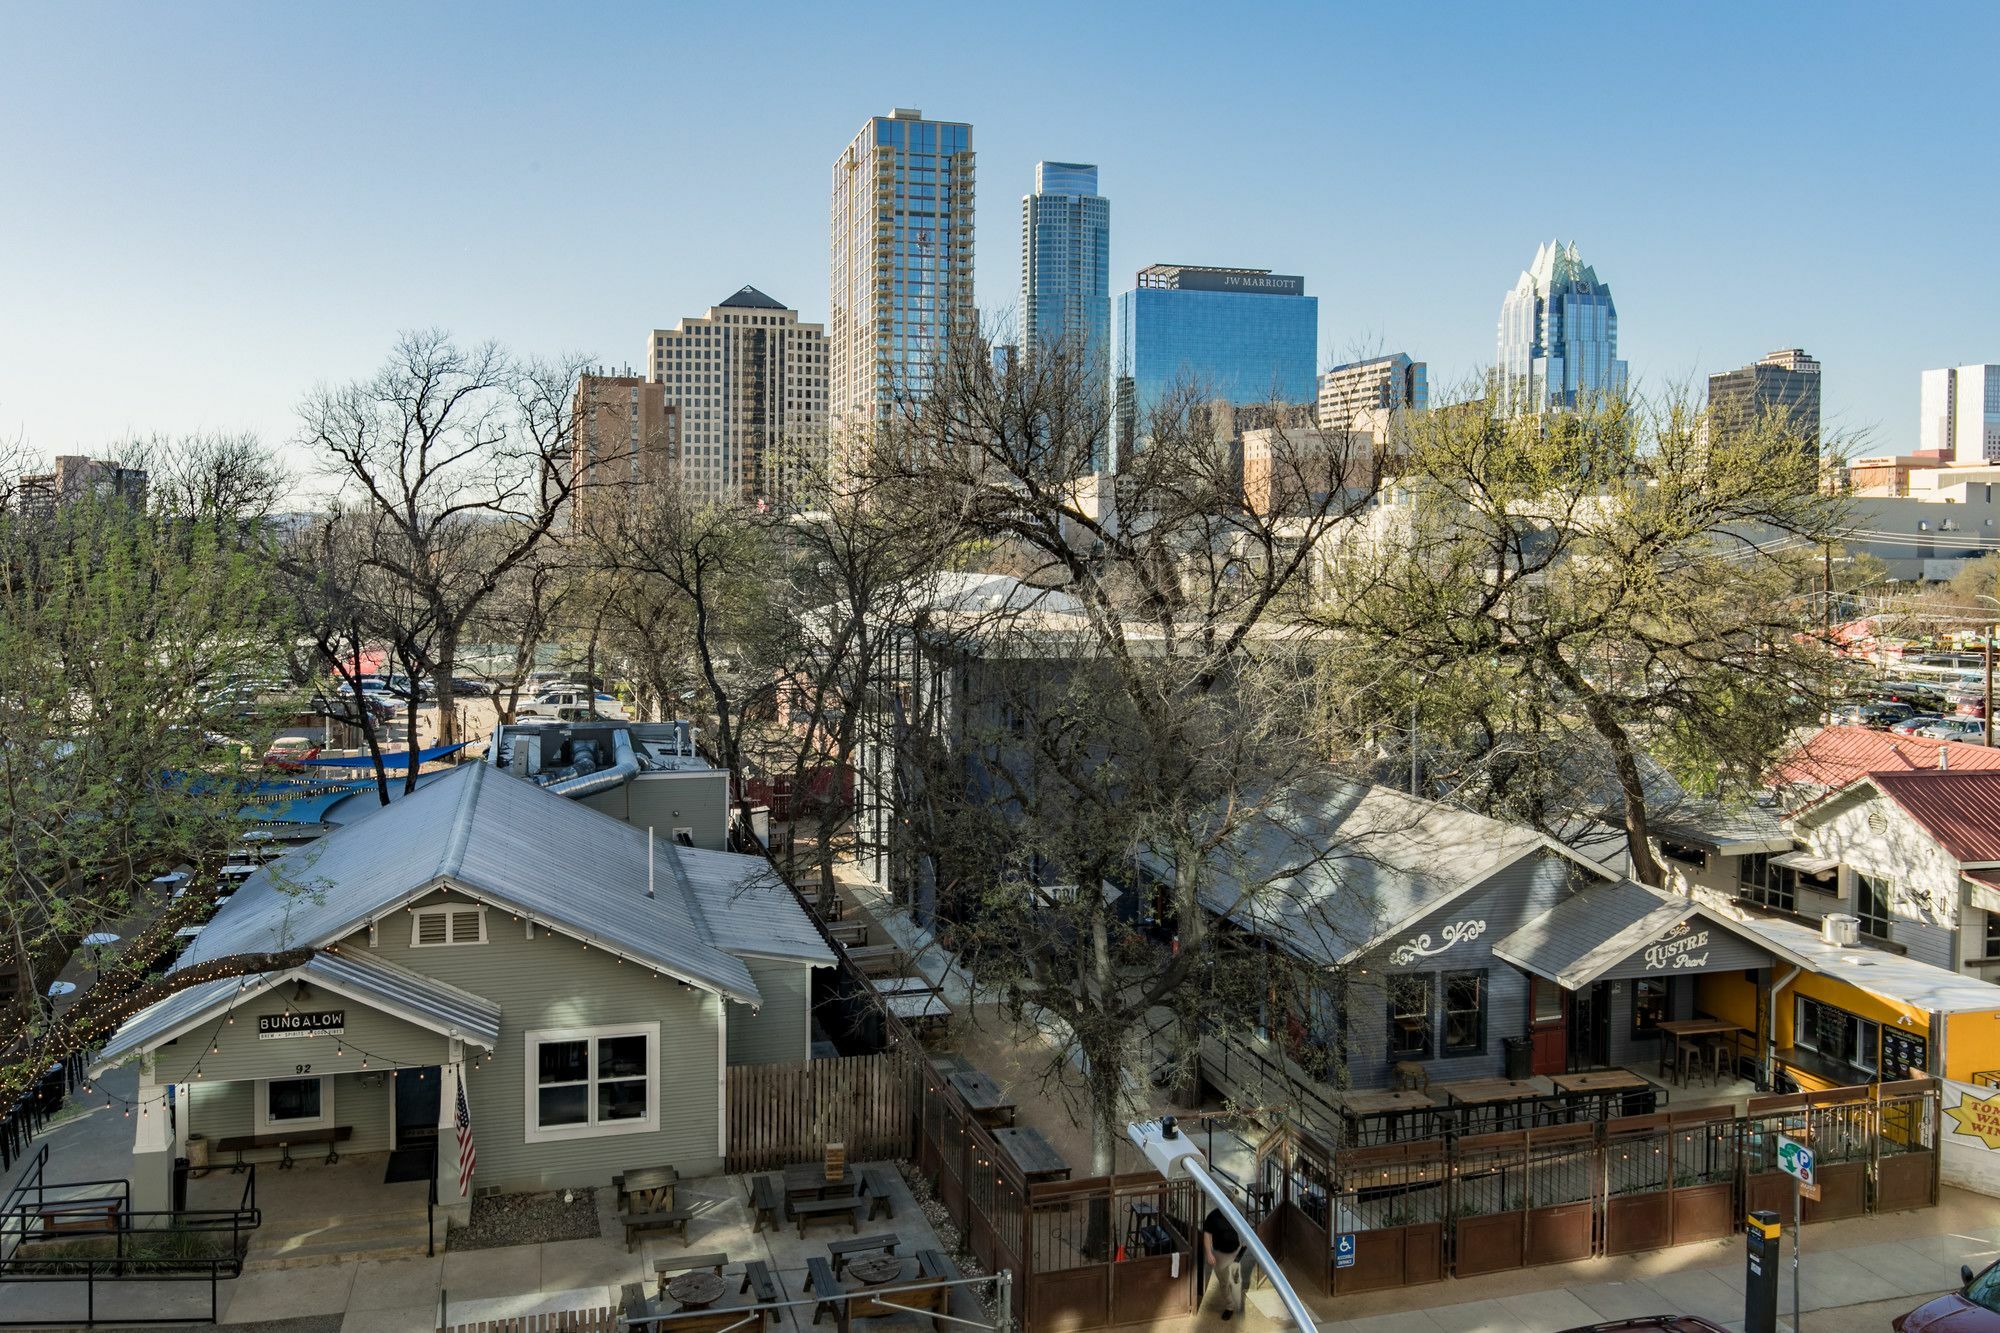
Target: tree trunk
[
  {"x": 1192, "y": 929},
  {"x": 447, "y": 662}
]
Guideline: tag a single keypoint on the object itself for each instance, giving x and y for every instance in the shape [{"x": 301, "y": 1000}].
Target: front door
[
  {"x": 1590, "y": 1027},
  {"x": 1548, "y": 1028},
  {"x": 416, "y": 1106}
]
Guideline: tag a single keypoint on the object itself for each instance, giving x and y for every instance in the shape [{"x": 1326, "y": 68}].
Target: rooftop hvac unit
[{"x": 1840, "y": 930}]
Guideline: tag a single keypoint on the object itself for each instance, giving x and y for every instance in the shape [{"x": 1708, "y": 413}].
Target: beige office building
[
  {"x": 901, "y": 261},
  {"x": 626, "y": 432},
  {"x": 751, "y": 384},
  {"x": 1385, "y": 383}
]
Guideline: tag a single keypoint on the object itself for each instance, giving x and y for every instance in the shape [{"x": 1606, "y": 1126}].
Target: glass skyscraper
[
  {"x": 1066, "y": 264},
  {"x": 1558, "y": 336},
  {"x": 1243, "y": 335},
  {"x": 901, "y": 263}
]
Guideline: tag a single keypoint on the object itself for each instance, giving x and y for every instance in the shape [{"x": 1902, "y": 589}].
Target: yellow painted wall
[
  {"x": 1971, "y": 1044},
  {"x": 1728, "y": 995}
]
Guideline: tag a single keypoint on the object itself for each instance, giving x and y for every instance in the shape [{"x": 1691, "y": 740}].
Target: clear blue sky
[{"x": 206, "y": 208}]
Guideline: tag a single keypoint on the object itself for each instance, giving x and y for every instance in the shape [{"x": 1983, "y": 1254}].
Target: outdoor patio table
[
  {"x": 1033, "y": 1153},
  {"x": 1486, "y": 1101},
  {"x": 988, "y": 1104},
  {"x": 807, "y": 1180},
  {"x": 876, "y": 1271},
  {"x": 1604, "y": 1087},
  {"x": 902, "y": 985},
  {"x": 696, "y": 1290},
  {"x": 1391, "y": 1109},
  {"x": 1679, "y": 1028}
]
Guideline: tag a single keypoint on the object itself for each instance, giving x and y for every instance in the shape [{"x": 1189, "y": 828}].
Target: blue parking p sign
[{"x": 1343, "y": 1250}]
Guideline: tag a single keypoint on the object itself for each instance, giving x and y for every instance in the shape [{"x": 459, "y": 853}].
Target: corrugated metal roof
[
  {"x": 1595, "y": 929},
  {"x": 1836, "y": 756},
  {"x": 1335, "y": 871},
  {"x": 384, "y": 986},
  {"x": 1959, "y": 809},
  {"x": 551, "y": 859},
  {"x": 751, "y": 915}
]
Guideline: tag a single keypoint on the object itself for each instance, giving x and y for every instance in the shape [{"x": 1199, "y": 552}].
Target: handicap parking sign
[{"x": 1343, "y": 1250}]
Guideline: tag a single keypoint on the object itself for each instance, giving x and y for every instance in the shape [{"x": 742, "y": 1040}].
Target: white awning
[{"x": 1809, "y": 861}]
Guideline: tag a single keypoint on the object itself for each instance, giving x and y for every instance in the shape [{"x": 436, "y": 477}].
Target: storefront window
[
  {"x": 1652, "y": 1002},
  {"x": 294, "y": 1103},
  {"x": 591, "y": 1082},
  {"x": 1837, "y": 1034},
  {"x": 1410, "y": 1018},
  {"x": 1464, "y": 1013},
  {"x": 1767, "y": 885}
]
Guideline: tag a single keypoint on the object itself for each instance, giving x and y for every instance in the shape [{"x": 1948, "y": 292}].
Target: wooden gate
[{"x": 780, "y": 1114}]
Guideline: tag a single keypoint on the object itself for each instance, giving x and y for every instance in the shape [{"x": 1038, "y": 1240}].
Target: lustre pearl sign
[
  {"x": 318, "y": 1023},
  {"x": 1683, "y": 946}
]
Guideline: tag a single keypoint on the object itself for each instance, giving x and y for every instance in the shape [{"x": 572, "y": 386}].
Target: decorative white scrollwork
[{"x": 1458, "y": 932}]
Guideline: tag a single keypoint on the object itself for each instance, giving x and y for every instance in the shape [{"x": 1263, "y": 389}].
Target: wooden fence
[
  {"x": 780, "y": 1114},
  {"x": 602, "y": 1320}
]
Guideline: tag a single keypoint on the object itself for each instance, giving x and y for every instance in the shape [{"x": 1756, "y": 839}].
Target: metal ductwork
[{"x": 624, "y": 767}]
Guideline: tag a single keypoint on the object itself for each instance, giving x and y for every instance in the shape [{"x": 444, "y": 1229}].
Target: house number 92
[{"x": 302, "y": 1069}]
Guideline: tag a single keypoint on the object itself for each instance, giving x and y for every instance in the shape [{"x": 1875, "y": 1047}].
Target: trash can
[
  {"x": 180, "y": 1185},
  {"x": 197, "y": 1149},
  {"x": 1520, "y": 1056}
]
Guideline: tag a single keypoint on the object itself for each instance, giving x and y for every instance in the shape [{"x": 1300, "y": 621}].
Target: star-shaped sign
[{"x": 1978, "y": 1118}]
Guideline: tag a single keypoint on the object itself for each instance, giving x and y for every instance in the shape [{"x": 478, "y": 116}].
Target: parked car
[
  {"x": 288, "y": 753},
  {"x": 1915, "y": 723},
  {"x": 569, "y": 705},
  {"x": 1973, "y": 1308},
  {"x": 399, "y": 686},
  {"x": 1653, "y": 1323},
  {"x": 1876, "y": 715},
  {"x": 1969, "y": 729},
  {"x": 469, "y": 688}
]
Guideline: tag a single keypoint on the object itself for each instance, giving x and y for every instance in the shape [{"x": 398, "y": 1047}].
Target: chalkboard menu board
[{"x": 1904, "y": 1055}]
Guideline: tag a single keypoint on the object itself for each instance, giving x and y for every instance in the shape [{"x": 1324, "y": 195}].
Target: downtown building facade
[
  {"x": 749, "y": 385},
  {"x": 1243, "y": 336},
  {"x": 1958, "y": 414},
  {"x": 1066, "y": 265},
  {"x": 900, "y": 284},
  {"x": 626, "y": 433},
  {"x": 1784, "y": 384},
  {"x": 1381, "y": 384},
  {"x": 1558, "y": 343},
  {"x": 75, "y": 477}
]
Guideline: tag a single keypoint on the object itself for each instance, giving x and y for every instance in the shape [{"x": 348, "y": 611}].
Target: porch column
[
  {"x": 450, "y": 1075},
  {"x": 152, "y": 1145}
]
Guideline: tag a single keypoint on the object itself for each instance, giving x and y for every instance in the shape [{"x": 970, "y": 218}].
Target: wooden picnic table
[
  {"x": 807, "y": 1180},
  {"x": 1035, "y": 1155},
  {"x": 650, "y": 1189},
  {"x": 1600, "y": 1080},
  {"x": 918, "y": 1007},
  {"x": 1390, "y": 1107},
  {"x": 877, "y": 960},
  {"x": 983, "y": 1096},
  {"x": 696, "y": 1290},
  {"x": 1479, "y": 1091},
  {"x": 902, "y": 985},
  {"x": 876, "y": 1271}
]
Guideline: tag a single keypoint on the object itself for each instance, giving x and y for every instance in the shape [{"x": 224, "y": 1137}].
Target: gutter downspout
[
  {"x": 624, "y": 767},
  {"x": 1771, "y": 1028}
]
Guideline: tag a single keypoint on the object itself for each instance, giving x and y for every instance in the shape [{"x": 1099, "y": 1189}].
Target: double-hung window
[
  {"x": 1464, "y": 1013},
  {"x": 1410, "y": 1017},
  {"x": 587, "y": 1082},
  {"x": 1871, "y": 905}
]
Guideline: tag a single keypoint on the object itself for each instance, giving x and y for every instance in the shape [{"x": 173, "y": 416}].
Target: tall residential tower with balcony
[
  {"x": 1066, "y": 265},
  {"x": 1558, "y": 336},
  {"x": 750, "y": 382},
  {"x": 901, "y": 262}
]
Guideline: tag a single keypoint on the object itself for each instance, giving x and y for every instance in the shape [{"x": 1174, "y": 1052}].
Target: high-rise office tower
[
  {"x": 1244, "y": 336},
  {"x": 1786, "y": 381},
  {"x": 626, "y": 432},
  {"x": 1958, "y": 413},
  {"x": 751, "y": 382},
  {"x": 1066, "y": 265},
  {"x": 1380, "y": 384},
  {"x": 1558, "y": 336},
  {"x": 901, "y": 284}
]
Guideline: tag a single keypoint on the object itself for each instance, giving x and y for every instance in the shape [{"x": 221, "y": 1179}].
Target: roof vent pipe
[
  {"x": 624, "y": 767},
  {"x": 1944, "y": 760}
]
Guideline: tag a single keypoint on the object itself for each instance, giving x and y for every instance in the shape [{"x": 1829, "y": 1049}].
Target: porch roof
[
  {"x": 1598, "y": 928},
  {"x": 422, "y": 1000}
]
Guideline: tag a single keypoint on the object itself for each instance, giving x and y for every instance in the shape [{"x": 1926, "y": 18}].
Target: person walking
[{"x": 1223, "y": 1249}]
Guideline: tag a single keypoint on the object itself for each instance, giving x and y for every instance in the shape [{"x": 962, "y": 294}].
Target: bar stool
[
  {"x": 1721, "y": 1060},
  {"x": 1688, "y": 1061}
]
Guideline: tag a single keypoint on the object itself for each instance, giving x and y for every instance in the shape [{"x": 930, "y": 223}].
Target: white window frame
[
  {"x": 262, "y": 1111},
  {"x": 417, "y": 919},
  {"x": 532, "y": 1132}
]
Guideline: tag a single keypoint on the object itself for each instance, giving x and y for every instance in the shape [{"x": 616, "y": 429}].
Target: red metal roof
[
  {"x": 1960, "y": 810},
  {"x": 1836, "y": 756}
]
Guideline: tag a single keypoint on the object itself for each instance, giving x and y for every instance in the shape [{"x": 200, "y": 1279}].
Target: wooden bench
[
  {"x": 876, "y": 1182},
  {"x": 807, "y": 1210},
  {"x": 769, "y": 1201},
  {"x": 852, "y": 933},
  {"x": 80, "y": 1217},
  {"x": 669, "y": 1219},
  {"x": 331, "y": 1137},
  {"x": 959, "y": 1302},
  {"x": 652, "y": 1181},
  {"x": 632, "y": 1301},
  {"x": 759, "y": 1282},
  {"x": 843, "y": 1250},
  {"x": 821, "y": 1282}
]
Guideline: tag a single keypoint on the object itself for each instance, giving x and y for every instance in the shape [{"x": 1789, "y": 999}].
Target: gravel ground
[
  {"x": 947, "y": 1232},
  {"x": 526, "y": 1219}
]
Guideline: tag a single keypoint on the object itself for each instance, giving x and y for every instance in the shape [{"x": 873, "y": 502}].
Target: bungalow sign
[
  {"x": 1683, "y": 946},
  {"x": 310, "y": 1023}
]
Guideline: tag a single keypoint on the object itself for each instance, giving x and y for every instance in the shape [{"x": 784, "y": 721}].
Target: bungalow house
[
  {"x": 1914, "y": 857},
  {"x": 585, "y": 984},
  {"x": 1445, "y": 936}
]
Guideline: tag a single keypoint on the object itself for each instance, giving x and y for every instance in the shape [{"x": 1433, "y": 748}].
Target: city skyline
[{"x": 278, "y": 249}]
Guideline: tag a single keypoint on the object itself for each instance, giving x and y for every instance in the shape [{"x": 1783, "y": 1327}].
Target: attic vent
[
  {"x": 1877, "y": 821},
  {"x": 435, "y": 926}
]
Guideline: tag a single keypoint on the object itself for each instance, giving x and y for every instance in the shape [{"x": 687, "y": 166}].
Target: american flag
[{"x": 467, "y": 1156}]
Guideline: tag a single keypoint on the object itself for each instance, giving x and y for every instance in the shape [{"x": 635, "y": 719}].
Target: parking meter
[{"x": 1760, "y": 1285}]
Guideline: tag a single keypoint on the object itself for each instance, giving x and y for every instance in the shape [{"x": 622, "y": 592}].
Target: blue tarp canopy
[{"x": 390, "y": 759}]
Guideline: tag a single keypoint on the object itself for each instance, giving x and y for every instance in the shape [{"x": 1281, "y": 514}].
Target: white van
[{"x": 570, "y": 705}]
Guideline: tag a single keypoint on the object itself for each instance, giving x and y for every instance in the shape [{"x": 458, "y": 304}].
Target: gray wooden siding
[
  {"x": 1525, "y": 889},
  {"x": 240, "y": 1053},
  {"x": 220, "y": 1110},
  {"x": 779, "y": 1032},
  {"x": 553, "y": 982},
  {"x": 1925, "y": 941}
]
